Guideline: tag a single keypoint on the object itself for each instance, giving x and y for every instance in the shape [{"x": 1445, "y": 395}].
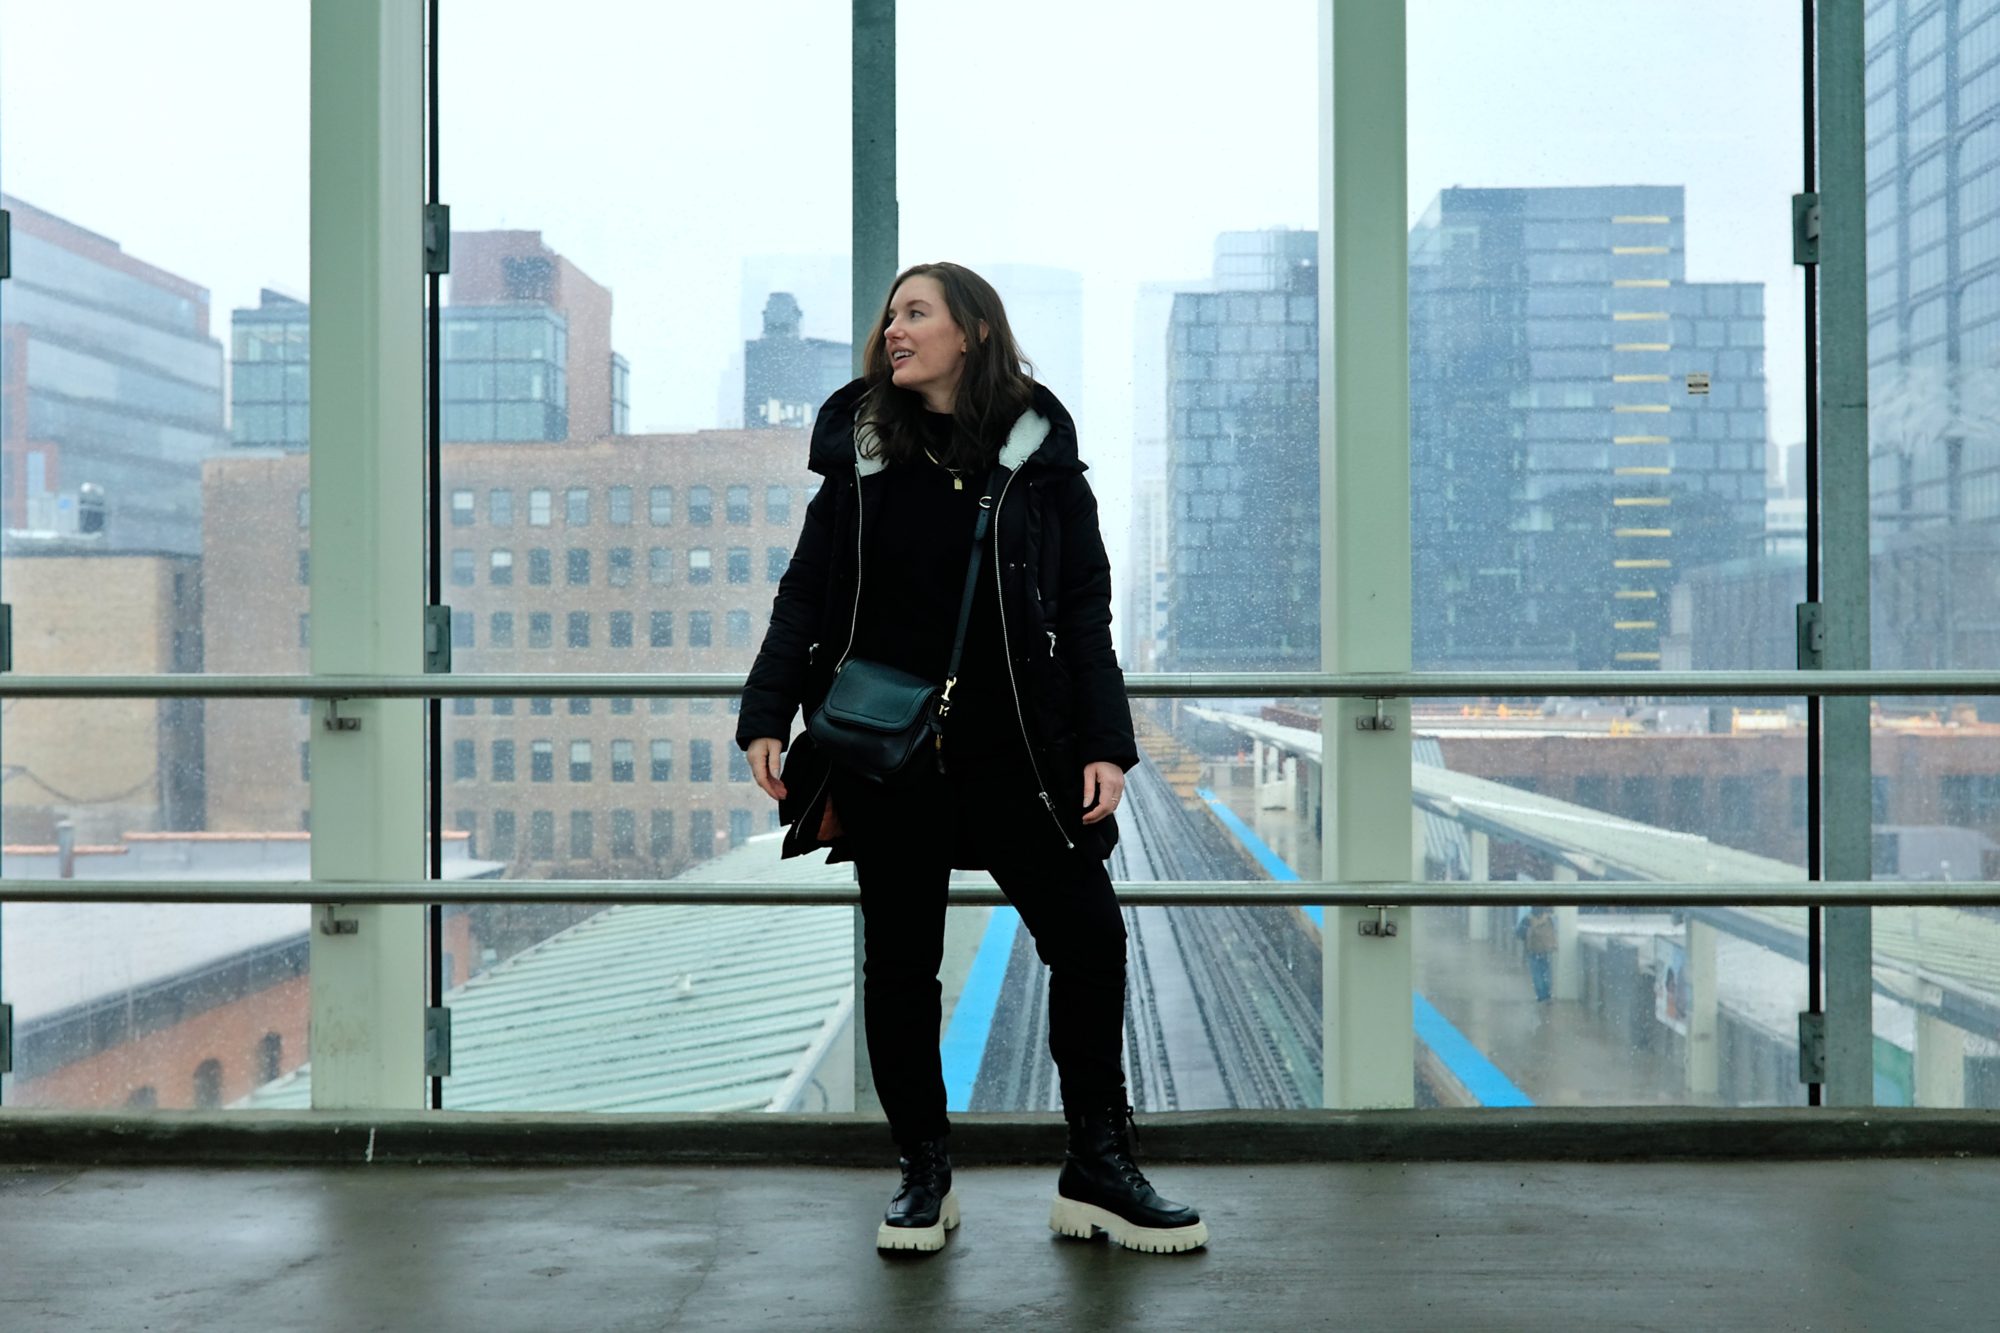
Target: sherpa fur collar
[
  {"x": 1022, "y": 441},
  {"x": 1045, "y": 434}
]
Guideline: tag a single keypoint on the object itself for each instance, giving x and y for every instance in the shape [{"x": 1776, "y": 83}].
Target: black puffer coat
[{"x": 1055, "y": 601}]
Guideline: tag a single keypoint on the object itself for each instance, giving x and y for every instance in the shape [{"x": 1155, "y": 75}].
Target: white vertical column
[
  {"x": 1940, "y": 1062},
  {"x": 1364, "y": 488},
  {"x": 1568, "y": 971},
  {"x": 367, "y": 479},
  {"x": 1704, "y": 1056},
  {"x": 1482, "y": 870}
]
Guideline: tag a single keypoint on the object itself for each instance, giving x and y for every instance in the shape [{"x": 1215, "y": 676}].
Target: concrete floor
[{"x": 1880, "y": 1244}]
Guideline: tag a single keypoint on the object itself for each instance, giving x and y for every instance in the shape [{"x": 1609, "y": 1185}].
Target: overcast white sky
[{"x": 658, "y": 144}]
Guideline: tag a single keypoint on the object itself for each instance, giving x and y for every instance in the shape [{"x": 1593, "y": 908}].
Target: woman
[{"x": 1035, "y": 745}]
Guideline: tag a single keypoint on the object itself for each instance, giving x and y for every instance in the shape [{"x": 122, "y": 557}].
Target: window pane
[
  {"x": 1934, "y": 498},
  {"x": 1576, "y": 502},
  {"x": 153, "y": 515},
  {"x": 701, "y": 505},
  {"x": 737, "y": 500},
  {"x": 539, "y": 264}
]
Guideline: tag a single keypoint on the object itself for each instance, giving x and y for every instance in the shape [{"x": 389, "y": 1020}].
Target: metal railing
[
  {"x": 1799, "y": 893},
  {"x": 1132, "y": 893},
  {"x": 1152, "y": 685}
]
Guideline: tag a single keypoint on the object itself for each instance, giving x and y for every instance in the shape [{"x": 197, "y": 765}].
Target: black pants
[{"x": 905, "y": 839}]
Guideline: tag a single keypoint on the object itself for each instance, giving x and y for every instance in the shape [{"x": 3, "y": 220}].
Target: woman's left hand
[{"x": 1104, "y": 785}]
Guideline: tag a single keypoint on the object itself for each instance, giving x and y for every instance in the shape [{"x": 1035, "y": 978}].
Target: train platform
[{"x": 1872, "y": 1244}]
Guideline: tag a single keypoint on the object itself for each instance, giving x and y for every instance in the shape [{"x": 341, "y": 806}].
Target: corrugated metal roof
[{"x": 652, "y": 1007}]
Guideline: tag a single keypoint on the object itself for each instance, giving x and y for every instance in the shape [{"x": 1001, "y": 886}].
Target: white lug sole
[
  {"x": 1067, "y": 1217},
  {"x": 921, "y": 1238}
]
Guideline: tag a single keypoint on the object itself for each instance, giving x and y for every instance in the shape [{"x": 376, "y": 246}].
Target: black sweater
[{"x": 915, "y": 556}]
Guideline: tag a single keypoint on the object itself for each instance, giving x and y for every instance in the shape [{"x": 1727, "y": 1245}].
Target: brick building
[
  {"x": 638, "y": 553},
  {"x": 106, "y": 765}
]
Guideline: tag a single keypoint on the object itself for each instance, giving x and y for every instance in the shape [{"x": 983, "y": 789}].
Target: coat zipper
[
  {"x": 853, "y": 627},
  {"x": 1000, "y": 599},
  {"x": 854, "y": 621}
]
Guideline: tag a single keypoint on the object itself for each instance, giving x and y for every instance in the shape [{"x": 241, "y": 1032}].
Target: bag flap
[{"x": 877, "y": 697}]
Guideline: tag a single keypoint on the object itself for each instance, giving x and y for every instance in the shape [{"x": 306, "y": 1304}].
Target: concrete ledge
[{"x": 1611, "y": 1134}]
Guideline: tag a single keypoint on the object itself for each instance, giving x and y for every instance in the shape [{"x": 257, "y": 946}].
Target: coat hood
[{"x": 1044, "y": 435}]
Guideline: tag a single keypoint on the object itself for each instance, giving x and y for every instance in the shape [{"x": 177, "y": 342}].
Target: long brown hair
[{"x": 995, "y": 388}]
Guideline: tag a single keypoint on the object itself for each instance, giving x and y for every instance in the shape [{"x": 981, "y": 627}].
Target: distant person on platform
[
  {"x": 944, "y": 448},
  {"x": 1537, "y": 932}
]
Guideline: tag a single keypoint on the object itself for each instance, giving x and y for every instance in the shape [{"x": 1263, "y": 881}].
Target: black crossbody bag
[{"x": 876, "y": 720}]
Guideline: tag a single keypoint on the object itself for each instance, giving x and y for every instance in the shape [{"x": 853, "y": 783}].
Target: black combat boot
[
  {"x": 1102, "y": 1189},
  {"x": 924, "y": 1207}
]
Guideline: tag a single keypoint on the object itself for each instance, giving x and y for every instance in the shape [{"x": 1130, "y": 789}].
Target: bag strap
[{"x": 979, "y": 528}]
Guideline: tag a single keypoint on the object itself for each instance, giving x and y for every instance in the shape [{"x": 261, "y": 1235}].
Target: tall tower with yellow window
[{"x": 1587, "y": 426}]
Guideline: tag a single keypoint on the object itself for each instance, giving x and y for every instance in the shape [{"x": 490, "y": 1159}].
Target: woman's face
[{"x": 926, "y": 348}]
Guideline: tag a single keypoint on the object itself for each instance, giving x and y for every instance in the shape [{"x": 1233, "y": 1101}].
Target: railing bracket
[
  {"x": 1380, "y": 928},
  {"x": 329, "y": 924},
  {"x": 437, "y": 1042},
  {"x": 1380, "y": 722},
  {"x": 1812, "y": 1047},
  {"x": 335, "y": 722}
]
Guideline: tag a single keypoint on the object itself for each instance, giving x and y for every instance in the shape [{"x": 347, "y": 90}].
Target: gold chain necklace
[{"x": 957, "y": 474}]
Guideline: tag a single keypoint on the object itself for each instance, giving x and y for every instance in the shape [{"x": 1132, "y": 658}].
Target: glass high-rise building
[
  {"x": 111, "y": 380},
  {"x": 1586, "y": 425},
  {"x": 1933, "y": 161},
  {"x": 1242, "y": 464},
  {"x": 523, "y": 329}
]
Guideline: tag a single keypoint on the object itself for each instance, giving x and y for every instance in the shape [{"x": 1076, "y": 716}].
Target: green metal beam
[
  {"x": 877, "y": 239},
  {"x": 1843, "y": 508}
]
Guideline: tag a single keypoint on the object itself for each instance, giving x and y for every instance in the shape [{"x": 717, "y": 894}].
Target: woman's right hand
[{"x": 763, "y": 754}]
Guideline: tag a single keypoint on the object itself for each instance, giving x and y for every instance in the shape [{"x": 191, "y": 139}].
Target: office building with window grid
[
  {"x": 1586, "y": 425},
  {"x": 637, "y": 553}
]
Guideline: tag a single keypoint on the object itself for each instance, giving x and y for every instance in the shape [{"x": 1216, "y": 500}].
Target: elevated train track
[{"x": 1223, "y": 1003}]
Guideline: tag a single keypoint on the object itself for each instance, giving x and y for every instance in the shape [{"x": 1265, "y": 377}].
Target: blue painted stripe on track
[
  {"x": 964, "y": 1044},
  {"x": 1274, "y": 865},
  {"x": 1481, "y": 1077}
]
